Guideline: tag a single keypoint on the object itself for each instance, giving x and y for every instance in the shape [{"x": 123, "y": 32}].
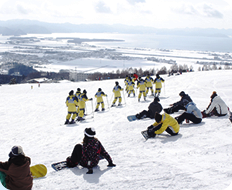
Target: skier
[
  {"x": 216, "y": 107},
  {"x": 175, "y": 107},
  {"x": 89, "y": 154},
  {"x": 149, "y": 81},
  {"x": 126, "y": 83},
  {"x": 158, "y": 84},
  {"x": 78, "y": 92},
  {"x": 99, "y": 96},
  {"x": 131, "y": 85},
  {"x": 15, "y": 173},
  {"x": 82, "y": 98},
  {"x": 117, "y": 94},
  {"x": 163, "y": 123},
  {"x": 71, "y": 103},
  {"x": 154, "y": 107},
  {"x": 135, "y": 76},
  {"x": 192, "y": 113},
  {"x": 141, "y": 84}
]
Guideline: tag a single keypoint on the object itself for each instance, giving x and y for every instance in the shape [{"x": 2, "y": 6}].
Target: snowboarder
[
  {"x": 117, "y": 94},
  {"x": 82, "y": 98},
  {"x": 175, "y": 107},
  {"x": 216, "y": 107},
  {"x": 15, "y": 173},
  {"x": 131, "y": 85},
  {"x": 149, "y": 81},
  {"x": 89, "y": 154},
  {"x": 192, "y": 113},
  {"x": 154, "y": 107},
  {"x": 71, "y": 103},
  {"x": 163, "y": 123},
  {"x": 158, "y": 84},
  {"x": 99, "y": 96},
  {"x": 141, "y": 84}
]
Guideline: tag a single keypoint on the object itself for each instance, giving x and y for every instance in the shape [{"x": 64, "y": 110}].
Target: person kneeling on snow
[
  {"x": 163, "y": 123},
  {"x": 192, "y": 113},
  {"x": 216, "y": 107},
  {"x": 175, "y": 107},
  {"x": 89, "y": 154},
  {"x": 154, "y": 107},
  {"x": 15, "y": 173}
]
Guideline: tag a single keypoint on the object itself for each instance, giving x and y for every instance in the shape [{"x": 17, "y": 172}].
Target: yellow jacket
[
  {"x": 82, "y": 98},
  {"x": 149, "y": 81},
  {"x": 158, "y": 82},
  {"x": 117, "y": 90},
  {"x": 167, "y": 121},
  {"x": 141, "y": 85},
  {"x": 71, "y": 103},
  {"x": 99, "y": 96},
  {"x": 131, "y": 85}
]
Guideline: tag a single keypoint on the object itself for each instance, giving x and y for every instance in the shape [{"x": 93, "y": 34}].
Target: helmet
[{"x": 84, "y": 91}]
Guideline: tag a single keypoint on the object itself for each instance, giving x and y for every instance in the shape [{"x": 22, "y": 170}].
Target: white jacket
[{"x": 219, "y": 104}]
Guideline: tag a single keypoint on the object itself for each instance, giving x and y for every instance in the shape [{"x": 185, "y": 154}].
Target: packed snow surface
[{"x": 200, "y": 157}]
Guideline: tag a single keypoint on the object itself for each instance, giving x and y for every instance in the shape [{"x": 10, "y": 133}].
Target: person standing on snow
[
  {"x": 71, "y": 103},
  {"x": 82, "y": 98},
  {"x": 131, "y": 85},
  {"x": 117, "y": 94},
  {"x": 175, "y": 107},
  {"x": 154, "y": 107},
  {"x": 141, "y": 84},
  {"x": 149, "y": 81},
  {"x": 15, "y": 173},
  {"x": 78, "y": 92},
  {"x": 216, "y": 107},
  {"x": 90, "y": 153},
  {"x": 99, "y": 96},
  {"x": 192, "y": 113},
  {"x": 163, "y": 123},
  {"x": 158, "y": 84}
]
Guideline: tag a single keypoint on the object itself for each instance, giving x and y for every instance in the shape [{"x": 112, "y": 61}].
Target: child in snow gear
[
  {"x": 135, "y": 76},
  {"x": 131, "y": 85},
  {"x": 82, "y": 98},
  {"x": 71, "y": 103},
  {"x": 126, "y": 83},
  {"x": 163, "y": 123},
  {"x": 99, "y": 96},
  {"x": 175, "y": 107},
  {"x": 216, "y": 107},
  {"x": 192, "y": 113},
  {"x": 15, "y": 173},
  {"x": 149, "y": 81},
  {"x": 78, "y": 92},
  {"x": 141, "y": 84},
  {"x": 154, "y": 107},
  {"x": 158, "y": 84},
  {"x": 89, "y": 154},
  {"x": 117, "y": 94}
]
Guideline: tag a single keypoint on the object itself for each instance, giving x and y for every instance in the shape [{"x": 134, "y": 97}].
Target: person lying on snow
[
  {"x": 163, "y": 123},
  {"x": 89, "y": 154},
  {"x": 175, "y": 107},
  {"x": 192, "y": 113},
  {"x": 216, "y": 107},
  {"x": 15, "y": 173}
]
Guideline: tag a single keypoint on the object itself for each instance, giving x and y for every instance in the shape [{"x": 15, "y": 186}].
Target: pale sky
[{"x": 154, "y": 13}]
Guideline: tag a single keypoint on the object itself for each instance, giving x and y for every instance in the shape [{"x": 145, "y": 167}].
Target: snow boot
[
  {"x": 66, "y": 122},
  {"x": 72, "y": 122},
  {"x": 96, "y": 109},
  {"x": 144, "y": 98},
  {"x": 139, "y": 100},
  {"x": 113, "y": 105},
  {"x": 80, "y": 119},
  {"x": 103, "y": 109},
  {"x": 119, "y": 104}
]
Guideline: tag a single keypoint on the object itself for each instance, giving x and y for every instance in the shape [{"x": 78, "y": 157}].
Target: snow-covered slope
[{"x": 198, "y": 158}]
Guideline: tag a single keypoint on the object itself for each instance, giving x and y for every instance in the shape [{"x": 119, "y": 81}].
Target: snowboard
[
  {"x": 131, "y": 118},
  {"x": 59, "y": 165},
  {"x": 38, "y": 170},
  {"x": 145, "y": 135},
  {"x": 230, "y": 115}
]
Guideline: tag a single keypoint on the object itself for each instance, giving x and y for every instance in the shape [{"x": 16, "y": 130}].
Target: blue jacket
[{"x": 192, "y": 109}]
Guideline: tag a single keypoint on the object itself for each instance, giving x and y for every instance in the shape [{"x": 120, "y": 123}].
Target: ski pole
[
  {"x": 107, "y": 102},
  {"x": 92, "y": 107}
]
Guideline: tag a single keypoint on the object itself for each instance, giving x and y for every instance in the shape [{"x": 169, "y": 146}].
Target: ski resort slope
[{"x": 200, "y": 157}]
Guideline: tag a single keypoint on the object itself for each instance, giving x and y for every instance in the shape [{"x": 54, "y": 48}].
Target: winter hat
[
  {"x": 71, "y": 93},
  {"x": 99, "y": 89},
  {"x": 182, "y": 93},
  {"x": 156, "y": 99},
  {"x": 84, "y": 91},
  {"x": 157, "y": 75},
  {"x": 90, "y": 132},
  {"x": 213, "y": 94},
  {"x": 16, "y": 151},
  {"x": 158, "y": 117},
  {"x": 78, "y": 89},
  {"x": 116, "y": 82}
]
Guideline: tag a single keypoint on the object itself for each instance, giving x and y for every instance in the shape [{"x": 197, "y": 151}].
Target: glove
[
  {"x": 90, "y": 171},
  {"x": 111, "y": 164},
  {"x": 150, "y": 127},
  {"x": 91, "y": 99}
]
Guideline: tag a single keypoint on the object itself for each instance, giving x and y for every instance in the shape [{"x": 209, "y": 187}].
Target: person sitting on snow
[
  {"x": 163, "y": 123},
  {"x": 154, "y": 107},
  {"x": 89, "y": 154},
  {"x": 192, "y": 113},
  {"x": 216, "y": 107},
  {"x": 99, "y": 96},
  {"x": 71, "y": 103},
  {"x": 15, "y": 173},
  {"x": 175, "y": 107}
]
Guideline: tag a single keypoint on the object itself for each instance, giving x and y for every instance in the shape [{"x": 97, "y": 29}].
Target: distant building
[{"x": 78, "y": 76}]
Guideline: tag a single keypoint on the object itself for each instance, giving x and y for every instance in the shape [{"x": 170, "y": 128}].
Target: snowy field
[{"x": 200, "y": 157}]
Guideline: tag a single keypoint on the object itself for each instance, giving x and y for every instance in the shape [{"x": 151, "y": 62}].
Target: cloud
[
  {"x": 102, "y": 8},
  {"x": 210, "y": 12},
  {"x": 22, "y": 10},
  {"x": 136, "y": 1}
]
